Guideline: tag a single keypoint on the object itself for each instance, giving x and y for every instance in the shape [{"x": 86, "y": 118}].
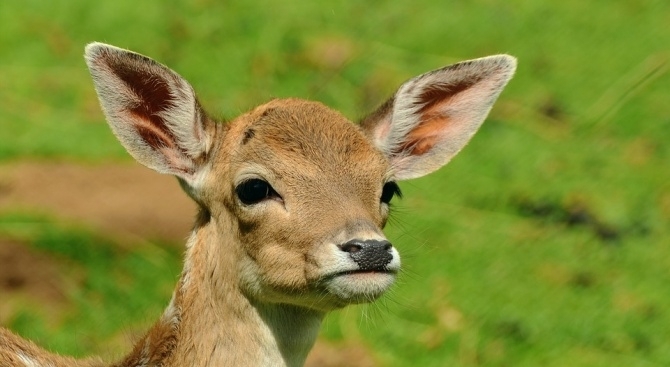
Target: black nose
[{"x": 370, "y": 255}]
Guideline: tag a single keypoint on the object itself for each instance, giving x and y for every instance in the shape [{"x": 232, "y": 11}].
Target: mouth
[{"x": 360, "y": 285}]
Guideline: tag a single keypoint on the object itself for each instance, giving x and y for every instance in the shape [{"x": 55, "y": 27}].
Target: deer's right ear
[{"x": 151, "y": 109}]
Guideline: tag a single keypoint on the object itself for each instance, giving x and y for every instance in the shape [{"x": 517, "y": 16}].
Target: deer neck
[{"x": 210, "y": 322}]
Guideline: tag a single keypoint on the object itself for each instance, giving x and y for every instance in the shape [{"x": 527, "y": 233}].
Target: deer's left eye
[{"x": 390, "y": 190}]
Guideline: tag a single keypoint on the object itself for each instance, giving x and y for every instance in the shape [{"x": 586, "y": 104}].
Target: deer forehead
[{"x": 305, "y": 142}]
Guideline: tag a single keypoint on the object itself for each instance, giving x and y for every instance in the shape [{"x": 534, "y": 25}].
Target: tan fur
[
  {"x": 259, "y": 277},
  {"x": 17, "y": 352}
]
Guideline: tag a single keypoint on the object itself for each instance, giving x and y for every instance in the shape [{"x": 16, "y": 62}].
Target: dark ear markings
[
  {"x": 154, "y": 97},
  {"x": 155, "y": 137},
  {"x": 154, "y": 91},
  {"x": 440, "y": 93}
]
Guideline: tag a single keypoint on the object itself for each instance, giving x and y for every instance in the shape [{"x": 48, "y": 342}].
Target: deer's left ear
[{"x": 433, "y": 116}]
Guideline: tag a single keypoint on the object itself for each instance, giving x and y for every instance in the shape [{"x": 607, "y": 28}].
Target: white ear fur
[
  {"x": 151, "y": 109},
  {"x": 433, "y": 116}
]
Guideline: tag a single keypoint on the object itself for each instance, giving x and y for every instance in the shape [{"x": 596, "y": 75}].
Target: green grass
[{"x": 543, "y": 243}]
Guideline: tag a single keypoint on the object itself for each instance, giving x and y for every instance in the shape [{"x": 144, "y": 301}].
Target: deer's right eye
[{"x": 254, "y": 191}]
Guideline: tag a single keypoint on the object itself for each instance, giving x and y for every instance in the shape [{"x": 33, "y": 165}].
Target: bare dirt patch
[
  {"x": 25, "y": 273},
  {"x": 121, "y": 200}
]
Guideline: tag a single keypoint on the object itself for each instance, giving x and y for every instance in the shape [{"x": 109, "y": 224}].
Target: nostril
[
  {"x": 351, "y": 247},
  {"x": 370, "y": 255}
]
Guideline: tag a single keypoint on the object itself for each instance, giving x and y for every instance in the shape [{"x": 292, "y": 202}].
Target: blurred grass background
[{"x": 543, "y": 243}]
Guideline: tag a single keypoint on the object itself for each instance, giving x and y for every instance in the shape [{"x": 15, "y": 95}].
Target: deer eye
[
  {"x": 390, "y": 190},
  {"x": 254, "y": 191}
]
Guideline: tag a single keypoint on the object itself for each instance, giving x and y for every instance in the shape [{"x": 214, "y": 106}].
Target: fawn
[{"x": 292, "y": 200}]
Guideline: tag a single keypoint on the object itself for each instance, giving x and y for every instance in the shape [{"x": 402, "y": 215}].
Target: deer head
[{"x": 303, "y": 192}]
